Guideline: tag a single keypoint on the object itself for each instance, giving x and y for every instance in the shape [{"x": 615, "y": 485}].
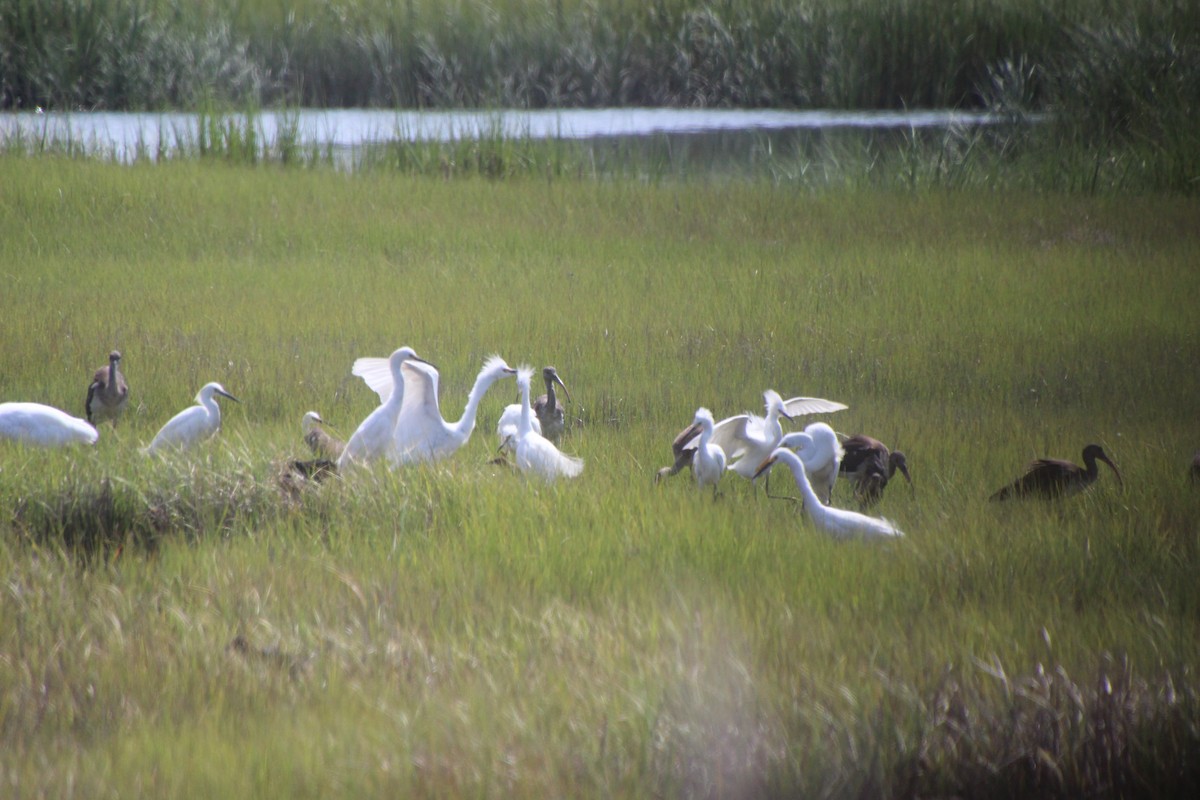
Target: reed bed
[{"x": 209, "y": 624}]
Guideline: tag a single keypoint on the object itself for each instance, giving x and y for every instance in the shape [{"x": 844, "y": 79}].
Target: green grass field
[{"x": 197, "y": 627}]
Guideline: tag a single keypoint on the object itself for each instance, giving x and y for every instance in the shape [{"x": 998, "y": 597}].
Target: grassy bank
[{"x": 201, "y": 626}]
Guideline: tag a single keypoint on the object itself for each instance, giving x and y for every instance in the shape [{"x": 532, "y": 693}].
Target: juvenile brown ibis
[
  {"x": 549, "y": 411},
  {"x": 868, "y": 464},
  {"x": 108, "y": 393},
  {"x": 318, "y": 439},
  {"x": 1052, "y": 477},
  {"x": 683, "y": 454}
]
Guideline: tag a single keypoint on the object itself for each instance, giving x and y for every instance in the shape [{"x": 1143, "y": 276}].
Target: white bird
[
  {"x": 43, "y": 426},
  {"x": 837, "y": 522},
  {"x": 375, "y": 436},
  {"x": 318, "y": 439},
  {"x": 709, "y": 462},
  {"x": 748, "y": 439},
  {"x": 536, "y": 453},
  {"x": 421, "y": 433},
  {"x": 194, "y": 423},
  {"x": 506, "y": 428},
  {"x": 819, "y": 449}
]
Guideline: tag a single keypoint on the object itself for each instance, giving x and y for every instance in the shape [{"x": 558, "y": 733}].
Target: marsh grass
[{"x": 198, "y": 625}]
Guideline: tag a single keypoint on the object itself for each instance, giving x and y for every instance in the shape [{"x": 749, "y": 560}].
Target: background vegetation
[{"x": 207, "y": 625}]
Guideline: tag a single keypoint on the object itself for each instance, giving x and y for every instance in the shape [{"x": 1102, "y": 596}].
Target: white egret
[
  {"x": 193, "y": 424},
  {"x": 108, "y": 393},
  {"x": 506, "y": 427},
  {"x": 375, "y": 436},
  {"x": 1052, "y": 477},
  {"x": 709, "y": 462},
  {"x": 318, "y": 439},
  {"x": 819, "y": 449},
  {"x": 421, "y": 434},
  {"x": 534, "y": 452},
  {"x": 869, "y": 465},
  {"x": 837, "y": 522},
  {"x": 550, "y": 413},
  {"x": 747, "y": 439},
  {"x": 43, "y": 426}
]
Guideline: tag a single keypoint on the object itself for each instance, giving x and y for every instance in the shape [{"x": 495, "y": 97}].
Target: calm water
[{"x": 345, "y": 131}]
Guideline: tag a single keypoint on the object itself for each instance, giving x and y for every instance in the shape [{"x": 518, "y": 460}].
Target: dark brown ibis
[
  {"x": 1052, "y": 477},
  {"x": 868, "y": 464},
  {"x": 318, "y": 439},
  {"x": 108, "y": 393},
  {"x": 549, "y": 411}
]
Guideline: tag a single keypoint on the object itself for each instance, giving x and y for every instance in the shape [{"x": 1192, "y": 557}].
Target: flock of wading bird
[{"x": 408, "y": 427}]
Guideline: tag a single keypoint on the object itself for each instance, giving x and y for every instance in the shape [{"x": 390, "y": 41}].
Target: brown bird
[
  {"x": 1051, "y": 477},
  {"x": 548, "y": 410},
  {"x": 108, "y": 393},
  {"x": 683, "y": 454},
  {"x": 869, "y": 465},
  {"x": 318, "y": 439}
]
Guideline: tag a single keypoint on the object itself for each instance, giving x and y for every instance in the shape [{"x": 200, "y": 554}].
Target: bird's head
[
  {"x": 524, "y": 376},
  {"x": 210, "y": 389},
  {"x": 114, "y": 356},
  {"x": 495, "y": 367},
  {"x": 774, "y": 404},
  {"x": 1095, "y": 451},
  {"x": 897, "y": 461},
  {"x": 310, "y": 420},
  {"x": 704, "y": 418},
  {"x": 796, "y": 440},
  {"x": 403, "y": 354},
  {"x": 550, "y": 376}
]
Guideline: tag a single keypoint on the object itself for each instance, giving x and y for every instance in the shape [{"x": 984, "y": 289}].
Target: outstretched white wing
[
  {"x": 376, "y": 373},
  {"x": 799, "y": 406}
]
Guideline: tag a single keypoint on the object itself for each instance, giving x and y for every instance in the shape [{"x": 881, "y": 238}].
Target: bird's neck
[
  {"x": 810, "y": 497},
  {"x": 550, "y": 397},
  {"x": 526, "y": 423},
  {"x": 466, "y": 422},
  {"x": 112, "y": 375}
]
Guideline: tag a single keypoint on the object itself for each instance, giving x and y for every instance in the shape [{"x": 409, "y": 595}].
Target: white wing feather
[
  {"x": 376, "y": 373},
  {"x": 799, "y": 406}
]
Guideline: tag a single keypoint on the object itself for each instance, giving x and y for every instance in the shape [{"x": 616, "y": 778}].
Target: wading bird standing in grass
[
  {"x": 1051, "y": 477},
  {"x": 510, "y": 421},
  {"x": 535, "y": 453},
  {"x": 869, "y": 465},
  {"x": 818, "y": 448},
  {"x": 108, "y": 394},
  {"x": 838, "y": 523},
  {"x": 709, "y": 462},
  {"x": 421, "y": 434},
  {"x": 43, "y": 426},
  {"x": 193, "y": 424},
  {"x": 318, "y": 439},
  {"x": 549, "y": 411},
  {"x": 375, "y": 436}
]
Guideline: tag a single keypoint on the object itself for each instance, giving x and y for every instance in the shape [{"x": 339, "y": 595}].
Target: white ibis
[
  {"x": 108, "y": 393},
  {"x": 194, "y": 424},
  {"x": 421, "y": 433},
  {"x": 38, "y": 425},
  {"x": 549, "y": 411},
  {"x": 1052, "y": 477},
  {"x": 837, "y": 522},
  {"x": 318, "y": 439},
  {"x": 709, "y": 462},
  {"x": 375, "y": 435},
  {"x": 535, "y": 454},
  {"x": 868, "y": 464}
]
